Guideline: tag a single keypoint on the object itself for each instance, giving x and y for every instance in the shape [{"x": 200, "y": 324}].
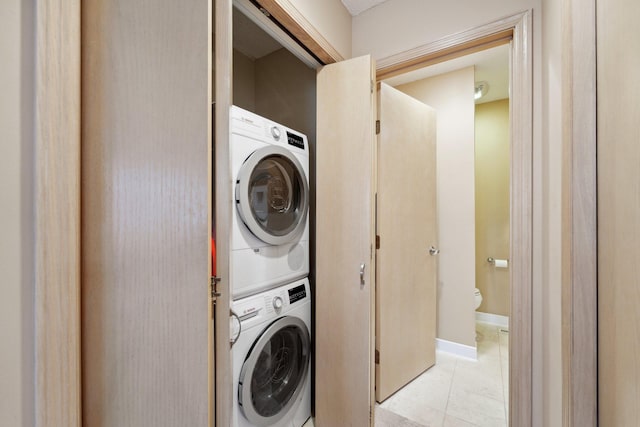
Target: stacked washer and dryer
[{"x": 271, "y": 307}]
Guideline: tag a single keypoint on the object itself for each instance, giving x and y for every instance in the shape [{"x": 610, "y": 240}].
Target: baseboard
[
  {"x": 494, "y": 319},
  {"x": 470, "y": 352}
]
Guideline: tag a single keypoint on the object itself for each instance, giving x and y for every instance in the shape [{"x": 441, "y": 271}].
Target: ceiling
[
  {"x": 356, "y": 7},
  {"x": 491, "y": 65}
]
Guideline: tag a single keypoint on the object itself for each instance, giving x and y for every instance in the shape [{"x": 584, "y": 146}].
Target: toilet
[{"x": 478, "y": 297}]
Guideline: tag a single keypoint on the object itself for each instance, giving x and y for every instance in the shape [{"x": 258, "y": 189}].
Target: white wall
[
  {"x": 451, "y": 94},
  {"x": 398, "y": 25},
  {"x": 16, "y": 213}
]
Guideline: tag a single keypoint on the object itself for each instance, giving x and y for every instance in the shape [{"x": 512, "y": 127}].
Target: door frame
[
  {"x": 56, "y": 335},
  {"x": 579, "y": 216},
  {"x": 518, "y": 29}
]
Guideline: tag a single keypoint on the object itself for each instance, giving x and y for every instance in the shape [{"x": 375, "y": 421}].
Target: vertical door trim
[
  {"x": 222, "y": 178},
  {"x": 57, "y": 214},
  {"x": 519, "y": 27},
  {"x": 579, "y": 211}
]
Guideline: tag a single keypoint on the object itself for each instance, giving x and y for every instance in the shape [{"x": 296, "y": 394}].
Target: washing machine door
[
  {"x": 274, "y": 373},
  {"x": 272, "y": 195}
]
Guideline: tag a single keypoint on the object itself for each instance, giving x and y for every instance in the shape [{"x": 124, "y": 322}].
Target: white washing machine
[
  {"x": 270, "y": 225},
  {"x": 271, "y": 357}
]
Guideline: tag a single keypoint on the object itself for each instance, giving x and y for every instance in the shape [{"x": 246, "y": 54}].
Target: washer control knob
[
  {"x": 277, "y": 303},
  {"x": 275, "y": 132}
]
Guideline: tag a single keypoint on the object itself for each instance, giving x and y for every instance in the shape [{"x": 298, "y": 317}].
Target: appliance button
[
  {"x": 277, "y": 303},
  {"x": 275, "y": 132}
]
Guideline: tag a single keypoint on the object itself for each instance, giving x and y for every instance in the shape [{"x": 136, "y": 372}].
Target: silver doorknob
[{"x": 433, "y": 251}]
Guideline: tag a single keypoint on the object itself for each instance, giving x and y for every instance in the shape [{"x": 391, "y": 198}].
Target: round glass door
[
  {"x": 272, "y": 195},
  {"x": 275, "y": 371}
]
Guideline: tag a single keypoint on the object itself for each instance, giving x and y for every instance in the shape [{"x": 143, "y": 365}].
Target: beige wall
[
  {"x": 492, "y": 204},
  {"x": 376, "y": 31},
  {"x": 451, "y": 95},
  {"x": 331, "y": 19},
  {"x": 277, "y": 86},
  {"x": 16, "y": 214},
  {"x": 244, "y": 81},
  {"x": 286, "y": 92}
]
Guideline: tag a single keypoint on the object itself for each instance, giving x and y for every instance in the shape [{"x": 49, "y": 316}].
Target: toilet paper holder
[{"x": 502, "y": 263}]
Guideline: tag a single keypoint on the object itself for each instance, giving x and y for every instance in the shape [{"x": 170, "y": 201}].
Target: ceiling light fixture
[{"x": 481, "y": 89}]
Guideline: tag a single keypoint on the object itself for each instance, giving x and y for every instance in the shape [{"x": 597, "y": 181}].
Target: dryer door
[
  {"x": 274, "y": 373},
  {"x": 272, "y": 195}
]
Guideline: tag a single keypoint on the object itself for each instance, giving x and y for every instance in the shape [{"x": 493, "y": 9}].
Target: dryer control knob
[
  {"x": 277, "y": 303},
  {"x": 275, "y": 132}
]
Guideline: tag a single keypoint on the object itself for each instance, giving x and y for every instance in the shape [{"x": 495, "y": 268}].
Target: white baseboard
[
  {"x": 494, "y": 319},
  {"x": 457, "y": 349}
]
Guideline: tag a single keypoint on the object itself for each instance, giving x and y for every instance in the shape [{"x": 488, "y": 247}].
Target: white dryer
[
  {"x": 270, "y": 225},
  {"x": 271, "y": 357}
]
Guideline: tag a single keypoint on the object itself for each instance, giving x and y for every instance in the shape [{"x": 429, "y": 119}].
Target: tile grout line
[{"x": 455, "y": 366}]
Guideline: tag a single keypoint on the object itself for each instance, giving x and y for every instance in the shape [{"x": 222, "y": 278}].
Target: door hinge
[
  {"x": 377, "y": 242},
  {"x": 372, "y": 86},
  {"x": 377, "y": 127},
  {"x": 377, "y": 357},
  {"x": 213, "y": 284}
]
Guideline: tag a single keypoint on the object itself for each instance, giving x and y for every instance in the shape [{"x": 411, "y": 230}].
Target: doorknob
[
  {"x": 362, "y": 267},
  {"x": 433, "y": 251}
]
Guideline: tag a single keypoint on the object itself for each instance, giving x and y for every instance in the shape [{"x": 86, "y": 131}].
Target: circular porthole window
[
  {"x": 272, "y": 195},
  {"x": 274, "y": 373}
]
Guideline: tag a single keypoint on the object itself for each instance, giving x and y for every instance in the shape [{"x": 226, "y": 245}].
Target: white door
[
  {"x": 345, "y": 187},
  {"x": 407, "y": 230}
]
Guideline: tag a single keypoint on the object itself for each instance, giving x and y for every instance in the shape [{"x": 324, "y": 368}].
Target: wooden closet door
[
  {"x": 146, "y": 185},
  {"x": 345, "y": 186}
]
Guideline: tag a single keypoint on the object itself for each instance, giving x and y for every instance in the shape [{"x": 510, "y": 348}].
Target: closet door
[
  {"x": 345, "y": 187},
  {"x": 146, "y": 186}
]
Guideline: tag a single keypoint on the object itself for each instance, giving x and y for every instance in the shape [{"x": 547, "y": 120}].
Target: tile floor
[{"x": 456, "y": 392}]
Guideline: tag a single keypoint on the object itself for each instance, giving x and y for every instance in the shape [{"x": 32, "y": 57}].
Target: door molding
[
  {"x": 285, "y": 14},
  {"x": 579, "y": 216},
  {"x": 518, "y": 29},
  {"x": 222, "y": 406},
  {"x": 57, "y": 214}
]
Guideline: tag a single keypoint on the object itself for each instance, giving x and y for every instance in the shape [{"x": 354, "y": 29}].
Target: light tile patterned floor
[{"x": 456, "y": 391}]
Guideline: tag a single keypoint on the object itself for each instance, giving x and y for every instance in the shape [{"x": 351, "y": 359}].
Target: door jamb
[
  {"x": 579, "y": 216},
  {"x": 57, "y": 214},
  {"x": 517, "y": 27}
]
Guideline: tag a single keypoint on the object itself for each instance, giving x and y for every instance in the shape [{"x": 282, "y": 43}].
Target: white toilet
[{"x": 478, "y": 297}]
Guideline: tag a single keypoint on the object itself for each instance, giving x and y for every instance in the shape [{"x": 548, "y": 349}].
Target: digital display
[
  {"x": 295, "y": 140},
  {"x": 297, "y": 293}
]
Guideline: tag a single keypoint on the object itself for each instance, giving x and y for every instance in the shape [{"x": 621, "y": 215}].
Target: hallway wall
[{"x": 17, "y": 225}]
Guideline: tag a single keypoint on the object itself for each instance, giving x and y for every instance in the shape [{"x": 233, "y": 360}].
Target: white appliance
[
  {"x": 270, "y": 226},
  {"x": 271, "y": 357}
]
